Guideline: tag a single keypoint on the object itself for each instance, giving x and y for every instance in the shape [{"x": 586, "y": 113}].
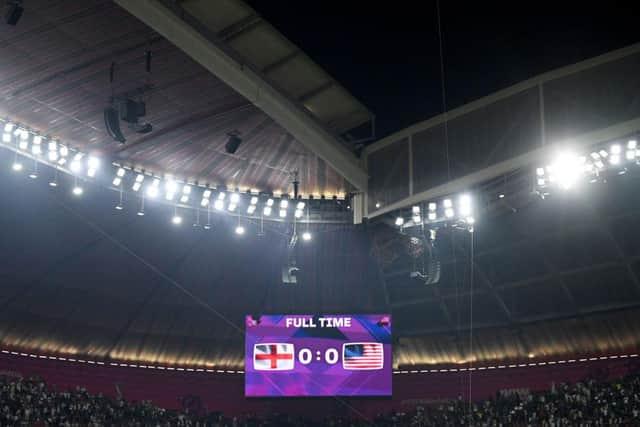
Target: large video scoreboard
[{"x": 318, "y": 355}]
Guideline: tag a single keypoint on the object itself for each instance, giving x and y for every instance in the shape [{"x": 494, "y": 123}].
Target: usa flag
[{"x": 362, "y": 356}]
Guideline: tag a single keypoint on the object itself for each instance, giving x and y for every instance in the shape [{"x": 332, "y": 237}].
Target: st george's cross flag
[{"x": 273, "y": 357}]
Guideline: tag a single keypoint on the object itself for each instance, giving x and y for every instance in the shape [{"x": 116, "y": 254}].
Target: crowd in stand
[{"x": 588, "y": 403}]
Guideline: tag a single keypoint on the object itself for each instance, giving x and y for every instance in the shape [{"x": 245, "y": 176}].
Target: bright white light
[
  {"x": 16, "y": 166},
  {"x": 631, "y": 155},
  {"x": 116, "y": 181},
  {"x": 120, "y": 172},
  {"x": 205, "y": 198},
  {"x": 170, "y": 187},
  {"x": 94, "y": 164},
  {"x": 603, "y": 153},
  {"x": 140, "y": 213},
  {"x": 138, "y": 183},
  {"x": 119, "y": 207},
  {"x": 267, "y": 210},
  {"x": 614, "y": 159},
  {"x": 540, "y": 171},
  {"x": 298, "y": 213},
  {"x": 465, "y": 205},
  {"x": 595, "y": 156},
  {"x": 283, "y": 213},
  {"x": 306, "y": 236},
  {"x": 75, "y": 166},
  {"x": 153, "y": 190},
  {"x": 6, "y": 137},
  {"x": 415, "y": 209},
  {"x": 254, "y": 200},
  {"x": 632, "y": 144},
  {"x": 300, "y": 206},
  {"x": 186, "y": 191},
  {"x": 541, "y": 182},
  {"x": 36, "y": 149},
  {"x": 500, "y": 196},
  {"x": 251, "y": 209},
  {"x": 599, "y": 164},
  {"x": 432, "y": 216},
  {"x": 77, "y": 190},
  {"x": 218, "y": 204},
  {"x": 8, "y": 127},
  {"x": 567, "y": 170},
  {"x": 447, "y": 203},
  {"x": 53, "y": 156},
  {"x": 221, "y": 195},
  {"x": 240, "y": 230},
  {"x": 471, "y": 220},
  {"x": 615, "y": 149},
  {"x": 232, "y": 207},
  {"x": 270, "y": 202},
  {"x": 284, "y": 203},
  {"x": 235, "y": 198},
  {"x": 432, "y": 207},
  {"x": 176, "y": 220},
  {"x": 64, "y": 150},
  {"x": 53, "y": 184},
  {"x": 399, "y": 221},
  {"x": 53, "y": 146},
  {"x": 417, "y": 219},
  {"x": 448, "y": 212},
  {"x": 33, "y": 175},
  {"x": 23, "y": 144}
]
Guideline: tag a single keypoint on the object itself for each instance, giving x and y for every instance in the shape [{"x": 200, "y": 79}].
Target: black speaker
[
  {"x": 233, "y": 143},
  {"x": 112, "y": 123},
  {"x": 14, "y": 12}
]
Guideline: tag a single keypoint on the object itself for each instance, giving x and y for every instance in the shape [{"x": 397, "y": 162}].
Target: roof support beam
[{"x": 250, "y": 83}]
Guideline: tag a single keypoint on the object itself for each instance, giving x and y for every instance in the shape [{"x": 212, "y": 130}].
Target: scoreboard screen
[{"x": 318, "y": 355}]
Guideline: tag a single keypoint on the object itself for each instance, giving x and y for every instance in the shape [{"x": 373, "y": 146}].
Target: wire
[
  {"x": 471, "y": 274},
  {"x": 444, "y": 92}
]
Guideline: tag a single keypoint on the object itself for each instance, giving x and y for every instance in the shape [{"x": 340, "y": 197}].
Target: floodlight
[
  {"x": 186, "y": 191},
  {"x": 251, "y": 209},
  {"x": 23, "y": 144},
  {"x": 614, "y": 159},
  {"x": 567, "y": 170},
  {"x": 417, "y": 219},
  {"x": 77, "y": 190},
  {"x": 298, "y": 213},
  {"x": 232, "y": 207},
  {"x": 603, "y": 153},
  {"x": 153, "y": 189},
  {"x": 615, "y": 149},
  {"x": 432, "y": 216},
  {"x": 267, "y": 210},
  {"x": 37, "y": 139},
  {"x": 170, "y": 187},
  {"x": 6, "y": 137},
  {"x": 270, "y": 202},
  {"x": 240, "y": 230},
  {"x": 300, "y": 206},
  {"x": 176, "y": 220},
  {"x": 632, "y": 144},
  {"x": 283, "y": 213},
  {"x": 448, "y": 212},
  {"x": 540, "y": 171},
  {"x": 447, "y": 203},
  {"x": 284, "y": 203},
  {"x": 306, "y": 236},
  {"x": 221, "y": 195},
  {"x": 415, "y": 210},
  {"x": 235, "y": 198},
  {"x": 36, "y": 148},
  {"x": 254, "y": 200},
  {"x": 205, "y": 198},
  {"x": 218, "y": 204},
  {"x": 94, "y": 164},
  {"x": 138, "y": 182},
  {"x": 53, "y": 151},
  {"x": 16, "y": 166},
  {"x": 8, "y": 127},
  {"x": 470, "y": 220},
  {"x": 541, "y": 182},
  {"x": 465, "y": 205},
  {"x": 595, "y": 156},
  {"x": 399, "y": 221},
  {"x": 631, "y": 154},
  {"x": 432, "y": 207}
]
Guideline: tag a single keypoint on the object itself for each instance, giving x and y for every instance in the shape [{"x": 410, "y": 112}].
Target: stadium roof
[{"x": 55, "y": 80}]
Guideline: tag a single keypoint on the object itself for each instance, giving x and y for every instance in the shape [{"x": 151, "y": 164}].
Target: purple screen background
[{"x": 318, "y": 378}]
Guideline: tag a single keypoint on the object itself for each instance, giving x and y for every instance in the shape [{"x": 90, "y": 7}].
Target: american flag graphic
[{"x": 362, "y": 356}]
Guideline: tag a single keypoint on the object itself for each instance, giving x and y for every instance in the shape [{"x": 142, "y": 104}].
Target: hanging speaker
[{"x": 112, "y": 123}]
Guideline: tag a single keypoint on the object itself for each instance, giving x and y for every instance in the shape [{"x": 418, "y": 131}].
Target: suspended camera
[
  {"x": 290, "y": 270},
  {"x": 423, "y": 249}
]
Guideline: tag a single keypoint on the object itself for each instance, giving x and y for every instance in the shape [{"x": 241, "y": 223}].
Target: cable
[
  {"x": 471, "y": 274},
  {"x": 444, "y": 93}
]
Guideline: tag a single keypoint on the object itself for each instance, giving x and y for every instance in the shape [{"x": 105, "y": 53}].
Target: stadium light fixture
[
  {"x": 240, "y": 230},
  {"x": 16, "y": 166},
  {"x": 6, "y": 137},
  {"x": 77, "y": 190},
  {"x": 138, "y": 182},
  {"x": 399, "y": 221},
  {"x": 283, "y": 213},
  {"x": 8, "y": 127},
  {"x": 176, "y": 219},
  {"x": 206, "y": 195},
  {"x": 154, "y": 188},
  {"x": 76, "y": 165},
  {"x": 267, "y": 210},
  {"x": 117, "y": 180},
  {"x": 306, "y": 236},
  {"x": 234, "y": 198},
  {"x": 186, "y": 192},
  {"x": 170, "y": 187},
  {"x": 254, "y": 200},
  {"x": 251, "y": 209},
  {"x": 232, "y": 207},
  {"x": 93, "y": 164},
  {"x": 218, "y": 204}
]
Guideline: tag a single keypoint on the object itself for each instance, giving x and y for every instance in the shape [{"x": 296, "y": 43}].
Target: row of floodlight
[
  {"x": 442, "y": 211},
  {"x": 567, "y": 169},
  {"x": 78, "y": 163},
  {"x": 177, "y": 219}
]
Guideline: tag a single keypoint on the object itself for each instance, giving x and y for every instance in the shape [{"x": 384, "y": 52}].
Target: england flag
[
  {"x": 273, "y": 357},
  {"x": 362, "y": 356}
]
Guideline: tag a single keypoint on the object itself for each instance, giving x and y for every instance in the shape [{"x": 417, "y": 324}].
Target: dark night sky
[{"x": 386, "y": 53}]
